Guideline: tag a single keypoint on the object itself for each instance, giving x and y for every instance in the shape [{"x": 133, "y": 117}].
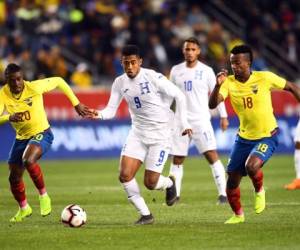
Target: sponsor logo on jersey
[
  {"x": 28, "y": 101},
  {"x": 254, "y": 89}
]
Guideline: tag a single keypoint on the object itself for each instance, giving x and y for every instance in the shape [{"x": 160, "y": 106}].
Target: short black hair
[
  {"x": 11, "y": 68},
  {"x": 192, "y": 40},
  {"x": 130, "y": 49},
  {"x": 243, "y": 49}
]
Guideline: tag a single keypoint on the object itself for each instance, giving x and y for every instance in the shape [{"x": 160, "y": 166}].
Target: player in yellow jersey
[
  {"x": 23, "y": 103},
  {"x": 250, "y": 96}
]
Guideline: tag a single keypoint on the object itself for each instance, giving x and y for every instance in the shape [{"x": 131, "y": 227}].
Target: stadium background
[{"x": 81, "y": 41}]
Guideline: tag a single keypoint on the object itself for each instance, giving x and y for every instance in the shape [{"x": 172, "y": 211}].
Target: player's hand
[
  {"x": 83, "y": 110},
  {"x": 94, "y": 114},
  {"x": 221, "y": 76},
  {"x": 16, "y": 117},
  {"x": 224, "y": 123},
  {"x": 187, "y": 131}
]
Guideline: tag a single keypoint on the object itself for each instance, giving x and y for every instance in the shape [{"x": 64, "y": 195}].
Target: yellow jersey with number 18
[
  {"x": 252, "y": 102},
  {"x": 30, "y": 104}
]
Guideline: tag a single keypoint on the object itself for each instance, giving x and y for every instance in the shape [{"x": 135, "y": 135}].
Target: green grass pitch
[{"x": 195, "y": 223}]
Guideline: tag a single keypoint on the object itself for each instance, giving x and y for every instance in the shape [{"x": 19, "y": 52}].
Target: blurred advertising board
[
  {"x": 98, "y": 139},
  {"x": 58, "y": 106}
]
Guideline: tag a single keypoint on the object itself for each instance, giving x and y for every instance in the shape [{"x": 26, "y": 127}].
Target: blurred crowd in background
[{"x": 81, "y": 40}]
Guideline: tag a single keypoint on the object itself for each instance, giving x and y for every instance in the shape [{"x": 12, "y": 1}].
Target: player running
[
  {"x": 149, "y": 96},
  {"x": 23, "y": 102},
  {"x": 250, "y": 96}
]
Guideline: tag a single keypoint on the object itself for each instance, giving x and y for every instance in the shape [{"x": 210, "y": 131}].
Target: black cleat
[
  {"x": 145, "y": 220},
  {"x": 222, "y": 200},
  {"x": 171, "y": 194}
]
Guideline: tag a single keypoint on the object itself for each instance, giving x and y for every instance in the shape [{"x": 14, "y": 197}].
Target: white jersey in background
[
  {"x": 196, "y": 83},
  {"x": 148, "y": 96}
]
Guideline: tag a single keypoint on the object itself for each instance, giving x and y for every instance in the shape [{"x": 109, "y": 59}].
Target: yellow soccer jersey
[
  {"x": 30, "y": 103},
  {"x": 252, "y": 102}
]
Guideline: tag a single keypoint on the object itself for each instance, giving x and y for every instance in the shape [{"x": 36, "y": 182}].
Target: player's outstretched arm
[
  {"x": 215, "y": 98},
  {"x": 293, "y": 88},
  {"x": 84, "y": 111}
]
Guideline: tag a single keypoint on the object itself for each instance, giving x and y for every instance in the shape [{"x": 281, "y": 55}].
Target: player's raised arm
[
  {"x": 48, "y": 84},
  {"x": 215, "y": 97},
  {"x": 293, "y": 88}
]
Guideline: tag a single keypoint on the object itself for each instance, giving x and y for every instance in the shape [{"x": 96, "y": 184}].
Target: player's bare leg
[
  {"x": 17, "y": 187},
  {"x": 128, "y": 169},
  {"x": 176, "y": 170},
  {"x": 234, "y": 195},
  {"x": 31, "y": 154},
  {"x": 295, "y": 184},
  {"x": 253, "y": 167},
  {"x": 218, "y": 172}
]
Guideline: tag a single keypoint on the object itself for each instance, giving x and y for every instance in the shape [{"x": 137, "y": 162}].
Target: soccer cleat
[
  {"x": 145, "y": 220},
  {"x": 295, "y": 184},
  {"x": 235, "y": 219},
  {"x": 260, "y": 201},
  {"x": 222, "y": 199},
  {"x": 21, "y": 214},
  {"x": 45, "y": 205},
  {"x": 171, "y": 194}
]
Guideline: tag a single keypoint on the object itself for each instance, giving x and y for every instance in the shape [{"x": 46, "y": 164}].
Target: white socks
[
  {"x": 297, "y": 163},
  {"x": 177, "y": 172},
  {"x": 219, "y": 177},
  {"x": 163, "y": 183},
  {"x": 134, "y": 196}
]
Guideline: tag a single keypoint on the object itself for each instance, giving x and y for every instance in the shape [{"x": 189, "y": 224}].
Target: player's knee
[
  {"x": 28, "y": 161},
  {"x": 14, "y": 178},
  {"x": 252, "y": 168},
  {"x": 125, "y": 177},
  {"x": 178, "y": 160},
  {"x": 231, "y": 184}
]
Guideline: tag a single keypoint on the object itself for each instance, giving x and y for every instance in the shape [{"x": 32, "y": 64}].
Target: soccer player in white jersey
[
  {"x": 149, "y": 96},
  {"x": 295, "y": 184},
  {"x": 196, "y": 80}
]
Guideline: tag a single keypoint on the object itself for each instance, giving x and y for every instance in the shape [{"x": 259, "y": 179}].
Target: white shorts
[
  {"x": 203, "y": 137},
  {"x": 153, "y": 155},
  {"x": 297, "y": 132}
]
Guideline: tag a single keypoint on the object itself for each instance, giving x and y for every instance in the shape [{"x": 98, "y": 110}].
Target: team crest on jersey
[
  {"x": 254, "y": 89},
  {"x": 28, "y": 101}
]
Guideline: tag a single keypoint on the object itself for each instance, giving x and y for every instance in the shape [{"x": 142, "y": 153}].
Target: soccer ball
[{"x": 73, "y": 216}]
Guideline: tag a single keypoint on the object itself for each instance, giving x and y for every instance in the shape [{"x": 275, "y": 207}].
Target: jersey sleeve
[
  {"x": 48, "y": 84},
  {"x": 114, "y": 101},
  {"x": 275, "y": 81},
  {"x": 224, "y": 89},
  {"x": 168, "y": 88}
]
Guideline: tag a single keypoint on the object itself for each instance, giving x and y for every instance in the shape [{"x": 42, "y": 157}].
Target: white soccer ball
[{"x": 73, "y": 216}]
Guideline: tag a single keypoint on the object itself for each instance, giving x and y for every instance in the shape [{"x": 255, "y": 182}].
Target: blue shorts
[
  {"x": 43, "y": 139},
  {"x": 242, "y": 149}
]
